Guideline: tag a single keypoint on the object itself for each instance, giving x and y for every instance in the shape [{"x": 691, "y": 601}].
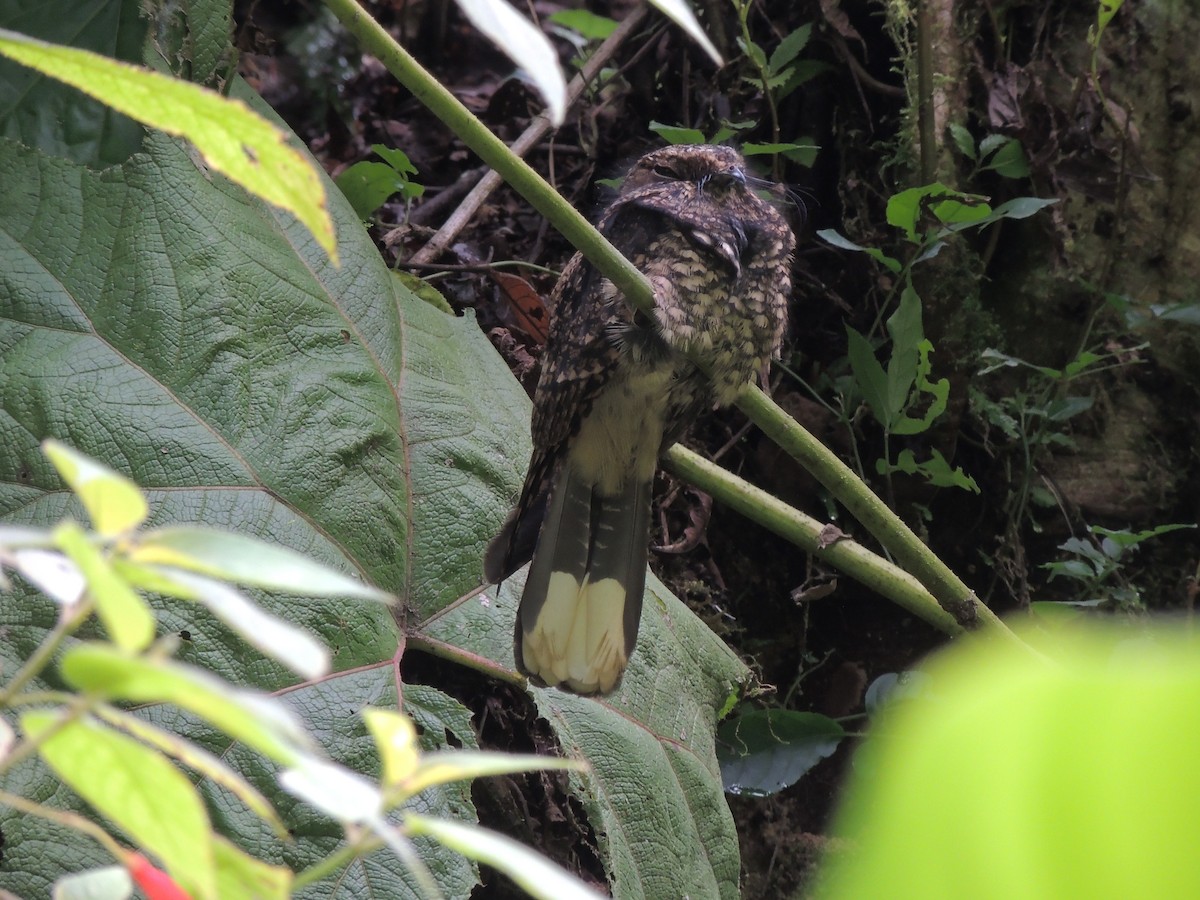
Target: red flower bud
[{"x": 156, "y": 884}]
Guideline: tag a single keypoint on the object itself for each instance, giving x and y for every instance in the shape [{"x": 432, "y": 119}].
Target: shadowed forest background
[{"x": 995, "y": 323}]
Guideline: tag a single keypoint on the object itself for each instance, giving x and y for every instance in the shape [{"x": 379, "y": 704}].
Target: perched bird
[{"x": 616, "y": 390}]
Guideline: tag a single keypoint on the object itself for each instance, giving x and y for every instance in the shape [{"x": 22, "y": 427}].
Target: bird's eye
[{"x": 666, "y": 171}]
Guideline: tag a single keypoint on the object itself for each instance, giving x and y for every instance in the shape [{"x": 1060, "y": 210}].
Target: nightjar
[{"x": 616, "y": 390}]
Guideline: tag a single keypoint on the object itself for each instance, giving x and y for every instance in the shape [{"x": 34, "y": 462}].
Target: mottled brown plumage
[{"x": 616, "y": 390}]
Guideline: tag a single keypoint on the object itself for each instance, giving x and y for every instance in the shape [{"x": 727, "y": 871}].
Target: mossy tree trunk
[{"x": 1111, "y": 129}]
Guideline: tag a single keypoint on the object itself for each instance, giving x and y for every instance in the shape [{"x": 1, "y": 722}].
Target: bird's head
[{"x": 699, "y": 165}]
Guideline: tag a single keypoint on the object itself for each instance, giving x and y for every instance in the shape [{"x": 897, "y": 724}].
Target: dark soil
[{"x": 1035, "y": 289}]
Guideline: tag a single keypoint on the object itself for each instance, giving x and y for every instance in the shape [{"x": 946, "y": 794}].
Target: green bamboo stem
[
  {"x": 810, "y": 535},
  {"x": 949, "y": 591},
  {"x": 889, "y": 529}
]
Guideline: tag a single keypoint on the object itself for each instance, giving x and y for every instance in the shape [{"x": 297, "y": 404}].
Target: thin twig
[
  {"x": 364, "y": 844},
  {"x": 78, "y": 706},
  {"x": 447, "y": 197},
  {"x": 532, "y": 136},
  {"x": 476, "y": 267},
  {"x": 67, "y": 820},
  {"x": 861, "y": 75},
  {"x": 65, "y": 626}
]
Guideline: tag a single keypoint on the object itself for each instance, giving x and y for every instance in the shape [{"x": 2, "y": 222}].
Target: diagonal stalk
[{"x": 812, "y": 536}]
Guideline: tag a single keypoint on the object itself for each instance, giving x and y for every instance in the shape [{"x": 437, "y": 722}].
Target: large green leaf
[
  {"x": 157, "y": 318},
  {"x": 654, "y": 795},
  {"x": 190, "y": 337},
  {"x": 37, "y": 852},
  {"x": 42, "y": 112}
]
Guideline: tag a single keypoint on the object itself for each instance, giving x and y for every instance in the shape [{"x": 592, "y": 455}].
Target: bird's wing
[{"x": 578, "y": 360}]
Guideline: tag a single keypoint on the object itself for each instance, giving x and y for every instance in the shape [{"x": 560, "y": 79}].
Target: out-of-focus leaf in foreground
[{"x": 1012, "y": 775}]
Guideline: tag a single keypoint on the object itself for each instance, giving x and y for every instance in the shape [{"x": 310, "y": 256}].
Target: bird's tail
[{"x": 579, "y": 614}]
